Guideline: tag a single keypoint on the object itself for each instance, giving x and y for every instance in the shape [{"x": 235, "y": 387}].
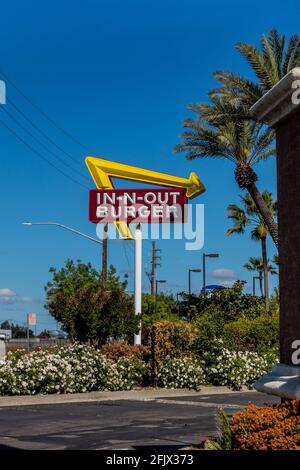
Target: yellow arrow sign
[{"x": 103, "y": 170}]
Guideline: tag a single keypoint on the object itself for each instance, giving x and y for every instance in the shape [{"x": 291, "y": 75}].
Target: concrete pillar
[{"x": 279, "y": 109}]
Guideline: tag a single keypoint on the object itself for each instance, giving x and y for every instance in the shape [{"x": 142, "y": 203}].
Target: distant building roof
[{"x": 210, "y": 288}]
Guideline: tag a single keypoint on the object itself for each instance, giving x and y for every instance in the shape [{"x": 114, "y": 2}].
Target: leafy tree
[
  {"x": 167, "y": 308},
  {"x": 17, "y": 331},
  {"x": 87, "y": 311},
  {"x": 230, "y": 303},
  {"x": 44, "y": 333},
  {"x": 5, "y": 325},
  {"x": 258, "y": 334},
  {"x": 248, "y": 215},
  {"x": 211, "y": 314}
]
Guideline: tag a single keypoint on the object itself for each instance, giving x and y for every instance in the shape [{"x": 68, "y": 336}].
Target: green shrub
[
  {"x": 258, "y": 334},
  {"x": 119, "y": 349},
  {"x": 168, "y": 340},
  {"x": 184, "y": 372},
  {"x": 167, "y": 309},
  {"x": 223, "y": 441},
  {"x": 231, "y": 303},
  {"x": 208, "y": 328}
]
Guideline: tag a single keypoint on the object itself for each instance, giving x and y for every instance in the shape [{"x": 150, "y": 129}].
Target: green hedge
[{"x": 259, "y": 334}]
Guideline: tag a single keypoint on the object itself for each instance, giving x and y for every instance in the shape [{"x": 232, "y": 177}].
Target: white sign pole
[{"x": 138, "y": 279}]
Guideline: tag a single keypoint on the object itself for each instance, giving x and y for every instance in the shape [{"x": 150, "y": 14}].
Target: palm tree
[
  {"x": 242, "y": 142},
  {"x": 275, "y": 260},
  {"x": 231, "y": 102},
  {"x": 270, "y": 62},
  {"x": 249, "y": 215},
  {"x": 257, "y": 265}
]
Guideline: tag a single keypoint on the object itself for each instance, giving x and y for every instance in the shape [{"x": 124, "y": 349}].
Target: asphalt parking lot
[{"x": 119, "y": 424}]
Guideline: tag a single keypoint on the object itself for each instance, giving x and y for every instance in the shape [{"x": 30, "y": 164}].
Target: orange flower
[{"x": 271, "y": 427}]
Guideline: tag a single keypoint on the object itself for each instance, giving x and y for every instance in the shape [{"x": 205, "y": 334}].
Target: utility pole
[
  {"x": 154, "y": 265},
  {"x": 28, "y": 340},
  {"x": 152, "y": 279},
  {"x": 157, "y": 281},
  {"x": 104, "y": 256}
]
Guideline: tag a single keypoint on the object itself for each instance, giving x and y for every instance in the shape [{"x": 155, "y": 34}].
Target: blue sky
[{"x": 117, "y": 75}]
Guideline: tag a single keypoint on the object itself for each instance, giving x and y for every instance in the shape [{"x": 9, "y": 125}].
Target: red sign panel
[
  {"x": 31, "y": 319},
  {"x": 137, "y": 205}
]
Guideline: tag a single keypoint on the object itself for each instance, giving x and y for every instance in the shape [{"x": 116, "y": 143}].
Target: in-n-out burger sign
[
  {"x": 137, "y": 205},
  {"x": 142, "y": 205}
]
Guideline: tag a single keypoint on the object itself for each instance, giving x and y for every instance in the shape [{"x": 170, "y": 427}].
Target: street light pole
[
  {"x": 253, "y": 288},
  {"x": 157, "y": 281},
  {"x": 138, "y": 279},
  {"x": 206, "y": 255},
  {"x": 192, "y": 271},
  {"x": 84, "y": 235}
]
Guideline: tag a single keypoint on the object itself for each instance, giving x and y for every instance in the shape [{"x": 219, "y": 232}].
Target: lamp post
[
  {"x": 206, "y": 255},
  {"x": 158, "y": 281},
  {"x": 84, "y": 235},
  {"x": 253, "y": 288},
  {"x": 192, "y": 271}
]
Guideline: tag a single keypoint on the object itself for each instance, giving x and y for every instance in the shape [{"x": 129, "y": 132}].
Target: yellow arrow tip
[{"x": 195, "y": 186}]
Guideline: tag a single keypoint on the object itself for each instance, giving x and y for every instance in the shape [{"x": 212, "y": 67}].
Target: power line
[
  {"x": 42, "y": 132},
  {"x": 41, "y": 155},
  {"x": 126, "y": 255},
  {"x": 42, "y": 144},
  {"x": 46, "y": 116}
]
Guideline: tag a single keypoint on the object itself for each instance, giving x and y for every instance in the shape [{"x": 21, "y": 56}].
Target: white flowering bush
[
  {"x": 236, "y": 368},
  {"x": 131, "y": 371},
  {"x": 76, "y": 368},
  {"x": 81, "y": 368},
  {"x": 184, "y": 372}
]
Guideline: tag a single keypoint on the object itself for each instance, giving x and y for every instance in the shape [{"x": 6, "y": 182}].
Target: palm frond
[
  {"x": 292, "y": 55},
  {"x": 256, "y": 60},
  {"x": 272, "y": 49},
  {"x": 246, "y": 90}
]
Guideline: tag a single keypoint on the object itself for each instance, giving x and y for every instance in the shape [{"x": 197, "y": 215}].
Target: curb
[{"x": 134, "y": 395}]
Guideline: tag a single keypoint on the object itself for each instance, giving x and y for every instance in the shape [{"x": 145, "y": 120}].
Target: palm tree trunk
[
  {"x": 265, "y": 213},
  {"x": 265, "y": 264}
]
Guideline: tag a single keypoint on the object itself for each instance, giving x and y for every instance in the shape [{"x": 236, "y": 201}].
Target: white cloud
[
  {"x": 8, "y": 296},
  {"x": 224, "y": 274}
]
